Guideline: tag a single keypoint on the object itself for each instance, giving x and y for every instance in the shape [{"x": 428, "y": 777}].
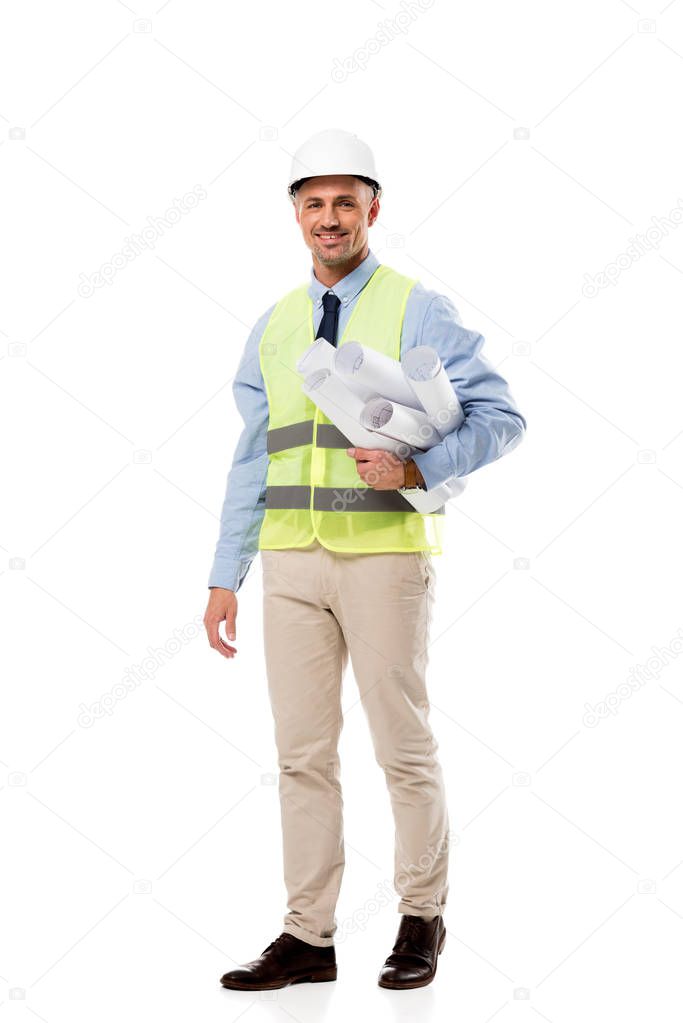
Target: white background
[{"x": 521, "y": 146}]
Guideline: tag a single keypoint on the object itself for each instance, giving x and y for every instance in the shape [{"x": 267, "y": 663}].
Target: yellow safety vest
[{"x": 313, "y": 489}]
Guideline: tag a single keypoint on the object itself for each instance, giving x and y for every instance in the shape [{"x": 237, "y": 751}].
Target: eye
[{"x": 311, "y": 205}]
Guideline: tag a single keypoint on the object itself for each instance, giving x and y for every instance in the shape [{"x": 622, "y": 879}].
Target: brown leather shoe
[
  {"x": 287, "y": 960},
  {"x": 414, "y": 957}
]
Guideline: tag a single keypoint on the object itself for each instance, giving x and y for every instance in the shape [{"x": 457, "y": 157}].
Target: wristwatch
[{"x": 411, "y": 480}]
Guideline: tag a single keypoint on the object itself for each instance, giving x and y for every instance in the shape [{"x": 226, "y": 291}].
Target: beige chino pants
[{"x": 319, "y": 606}]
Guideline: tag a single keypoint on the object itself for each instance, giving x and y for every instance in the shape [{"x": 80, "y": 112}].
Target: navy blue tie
[{"x": 328, "y": 324}]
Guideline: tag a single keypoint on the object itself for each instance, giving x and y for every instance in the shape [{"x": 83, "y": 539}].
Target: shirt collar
[{"x": 348, "y": 287}]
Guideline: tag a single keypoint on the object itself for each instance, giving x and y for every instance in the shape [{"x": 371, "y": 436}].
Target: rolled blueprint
[
  {"x": 382, "y": 375},
  {"x": 322, "y": 355},
  {"x": 409, "y": 426},
  {"x": 424, "y": 372},
  {"x": 319, "y": 355},
  {"x": 344, "y": 408},
  {"x": 428, "y": 379},
  {"x": 400, "y": 422}
]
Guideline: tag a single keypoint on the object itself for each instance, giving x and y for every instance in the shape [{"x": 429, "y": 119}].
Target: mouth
[{"x": 330, "y": 237}]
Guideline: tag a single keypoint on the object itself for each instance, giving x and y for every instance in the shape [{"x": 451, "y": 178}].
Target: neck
[{"x": 331, "y": 275}]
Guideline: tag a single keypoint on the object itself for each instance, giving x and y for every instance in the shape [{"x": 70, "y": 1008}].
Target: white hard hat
[{"x": 333, "y": 151}]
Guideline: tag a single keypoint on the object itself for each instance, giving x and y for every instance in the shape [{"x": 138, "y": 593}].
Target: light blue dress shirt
[{"x": 492, "y": 426}]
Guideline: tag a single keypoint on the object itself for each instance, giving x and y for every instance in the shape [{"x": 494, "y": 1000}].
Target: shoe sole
[
  {"x": 318, "y": 977},
  {"x": 397, "y": 985}
]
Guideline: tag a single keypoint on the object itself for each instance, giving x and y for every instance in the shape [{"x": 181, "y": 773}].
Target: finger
[
  {"x": 367, "y": 454},
  {"x": 225, "y": 648},
  {"x": 230, "y": 629},
  {"x": 211, "y": 626},
  {"x": 216, "y": 641}
]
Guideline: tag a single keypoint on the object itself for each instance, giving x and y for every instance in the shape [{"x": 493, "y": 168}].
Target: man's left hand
[{"x": 378, "y": 469}]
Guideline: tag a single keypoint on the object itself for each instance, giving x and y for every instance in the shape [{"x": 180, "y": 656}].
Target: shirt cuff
[
  {"x": 228, "y": 575},
  {"x": 435, "y": 465}
]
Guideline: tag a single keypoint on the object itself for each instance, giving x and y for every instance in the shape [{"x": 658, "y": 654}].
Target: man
[{"x": 347, "y": 566}]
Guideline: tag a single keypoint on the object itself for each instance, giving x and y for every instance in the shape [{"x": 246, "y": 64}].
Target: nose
[{"x": 329, "y": 219}]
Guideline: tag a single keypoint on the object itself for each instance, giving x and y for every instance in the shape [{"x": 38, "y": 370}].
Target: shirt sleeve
[
  {"x": 493, "y": 424},
  {"x": 245, "y": 492}
]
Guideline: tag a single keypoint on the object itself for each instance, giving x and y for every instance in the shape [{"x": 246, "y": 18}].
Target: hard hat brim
[{"x": 295, "y": 185}]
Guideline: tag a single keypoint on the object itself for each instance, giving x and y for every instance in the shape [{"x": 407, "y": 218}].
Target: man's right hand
[{"x": 222, "y": 607}]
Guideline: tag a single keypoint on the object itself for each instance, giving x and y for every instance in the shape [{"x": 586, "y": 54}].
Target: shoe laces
[{"x": 282, "y": 941}]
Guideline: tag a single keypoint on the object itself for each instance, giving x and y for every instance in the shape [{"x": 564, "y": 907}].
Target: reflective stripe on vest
[
  {"x": 283, "y": 437},
  {"x": 313, "y": 489},
  {"x": 336, "y": 500}
]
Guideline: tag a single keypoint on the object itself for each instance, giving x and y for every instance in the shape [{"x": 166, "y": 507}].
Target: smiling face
[{"x": 334, "y": 212}]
